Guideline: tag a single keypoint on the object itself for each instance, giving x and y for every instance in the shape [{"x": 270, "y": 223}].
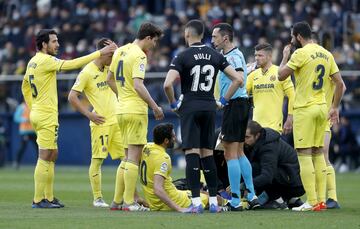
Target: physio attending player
[
  {"x": 197, "y": 68},
  {"x": 105, "y": 136},
  {"x": 310, "y": 64},
  {"x": 235, "y": 118},
  {"x": 126, "y": 79},
  {"x": 40, "y": 93},
  {"x": 268, "y": 92}
]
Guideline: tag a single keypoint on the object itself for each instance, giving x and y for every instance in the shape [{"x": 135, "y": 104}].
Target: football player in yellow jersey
[
  {"x": 268, "y": 92},
  {"x": 311, "y": 64},
  {"x": 329, "y": 87},
  {"x": 105, "y": 136},
  {"x": 126, "y": 79},
  {"x": 155, "y": 174},
  {"x": 40, "y": 93}
]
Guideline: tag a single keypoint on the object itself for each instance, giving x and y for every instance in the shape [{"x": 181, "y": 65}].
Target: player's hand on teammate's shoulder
[
  {"x": 109, "y": 48},
  {"x": 158, "y": 113},
  {"x": 95, "y": 118}
]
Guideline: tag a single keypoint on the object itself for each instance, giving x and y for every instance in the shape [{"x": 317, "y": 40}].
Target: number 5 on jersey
[
  {"x": 34, "y": 91},
  {"x": 120, "y": 73}
]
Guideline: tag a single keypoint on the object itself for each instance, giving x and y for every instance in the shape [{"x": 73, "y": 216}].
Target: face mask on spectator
[
  {"x": 288, "y": 23},
  {"x": 247, "y": 42},
  {"x": 267, "y": 10}
]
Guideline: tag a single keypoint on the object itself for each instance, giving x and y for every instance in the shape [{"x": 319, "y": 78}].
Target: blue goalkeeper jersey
[{"x": 237, "y": 61}]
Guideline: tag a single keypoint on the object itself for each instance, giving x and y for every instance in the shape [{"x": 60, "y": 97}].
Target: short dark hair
[
  {"x": 197, "y": 27},
  {"x": 254, "y": 127},
  {"x": 43, "y": 36},
  {"x": 225, "y": 29},
  {"x": 303, "y": 28},
  {"x": 102, "y": 43},
  {"x": 162, "y": 131},
  {"x": 263, "y": 46},
  {"x": 148, "y": 29}
]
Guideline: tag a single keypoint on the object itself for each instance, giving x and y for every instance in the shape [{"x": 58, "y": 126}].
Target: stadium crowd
[{"x": 80, "y": 24}]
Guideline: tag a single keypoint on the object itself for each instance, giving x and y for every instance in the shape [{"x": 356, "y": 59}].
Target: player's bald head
[{"x": 195, "y": 28}]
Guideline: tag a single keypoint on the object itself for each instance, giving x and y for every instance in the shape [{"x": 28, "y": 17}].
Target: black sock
[
  {"x": 193, "y": 173},
  {"x": 210, "y": 174}
]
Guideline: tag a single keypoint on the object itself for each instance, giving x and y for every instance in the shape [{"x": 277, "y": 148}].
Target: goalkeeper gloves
[{"x": 177, "y": 104}]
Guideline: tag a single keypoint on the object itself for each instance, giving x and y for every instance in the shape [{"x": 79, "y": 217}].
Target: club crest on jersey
[
  {"x": 142, "y": 67},
  {"x": 104, "y": 149},
  {"x": 164, "y": 167},
  {"x": 272, "y": 78}
]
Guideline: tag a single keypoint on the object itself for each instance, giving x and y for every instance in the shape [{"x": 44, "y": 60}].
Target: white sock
[
  {"x": 213, "y": 200},
  {"x": 196, "y": 201}
]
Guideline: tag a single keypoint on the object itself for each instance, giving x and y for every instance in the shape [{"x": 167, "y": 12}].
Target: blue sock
[
  {"x": 263, "y": 198},
  {"x": 234, "y": 174},
  {"x": 246, "y": 171}
]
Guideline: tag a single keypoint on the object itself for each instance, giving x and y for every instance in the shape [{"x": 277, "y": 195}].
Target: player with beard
[
  {"x": 40, "y": 94},
  {"x": 310, "y": 64}
]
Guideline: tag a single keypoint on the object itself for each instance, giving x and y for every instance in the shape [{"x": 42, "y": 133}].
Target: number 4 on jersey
[{"x": 120, "y": 73}]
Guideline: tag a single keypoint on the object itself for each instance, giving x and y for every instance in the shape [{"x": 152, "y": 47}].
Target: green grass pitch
[{"x": 73, "y": 188}]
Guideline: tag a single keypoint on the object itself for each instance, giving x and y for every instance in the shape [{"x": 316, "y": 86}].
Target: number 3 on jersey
[
  {"x": 320, "y": 69},
  {"x": 120, "y": 73},
  {"x": 196, "y": 71}
]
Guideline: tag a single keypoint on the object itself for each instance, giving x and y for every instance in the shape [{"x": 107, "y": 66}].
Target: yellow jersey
[
  {"x": 268, "y": 96},
  {"x": 129, "y": 62},
  {"x": 311, "y": 64},
  {"x": 39, "y": 85},
  {"x": 92, "y": 81},
  {"x": 155, "y": 161}
]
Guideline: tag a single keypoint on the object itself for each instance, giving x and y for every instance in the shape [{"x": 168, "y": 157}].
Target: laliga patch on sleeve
[
  {"x": 164, "y": 167},
  {"x": 142, "y": 67}
]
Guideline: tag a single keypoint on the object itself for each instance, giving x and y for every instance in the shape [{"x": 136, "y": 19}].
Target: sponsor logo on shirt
[{"x": 164, "y": 167}]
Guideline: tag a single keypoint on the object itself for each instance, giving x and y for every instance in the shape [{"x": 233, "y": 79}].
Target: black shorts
[
  {"x": 235, "y": 119},
  {"x": 198, "y": 129}
]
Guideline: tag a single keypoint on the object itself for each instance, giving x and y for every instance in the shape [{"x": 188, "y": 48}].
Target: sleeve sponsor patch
[
  {"x": 164, "y": 167},
  {"x": 142, "y": 67}
]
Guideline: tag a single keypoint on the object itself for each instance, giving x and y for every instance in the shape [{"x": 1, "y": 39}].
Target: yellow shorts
[
  {"x": 328, "y": 126},
  {"x": 309, "y": 126},
  {"x": 46, "y": 127},
  {"x": 133, "y": 128},
  {"x": 106, "y": 140}
]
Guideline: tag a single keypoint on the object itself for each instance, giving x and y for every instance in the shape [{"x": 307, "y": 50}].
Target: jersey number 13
[{"x": 208, "y": 71}]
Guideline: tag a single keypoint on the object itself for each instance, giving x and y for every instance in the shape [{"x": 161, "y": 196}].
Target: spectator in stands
[{"x": 344, "y": 146}]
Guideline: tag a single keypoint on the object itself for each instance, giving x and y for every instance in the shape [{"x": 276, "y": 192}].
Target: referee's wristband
[{"x": 223, "y": 101}]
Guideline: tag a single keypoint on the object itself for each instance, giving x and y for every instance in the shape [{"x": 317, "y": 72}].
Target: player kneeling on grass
[{"x": 155, "y": 171}]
